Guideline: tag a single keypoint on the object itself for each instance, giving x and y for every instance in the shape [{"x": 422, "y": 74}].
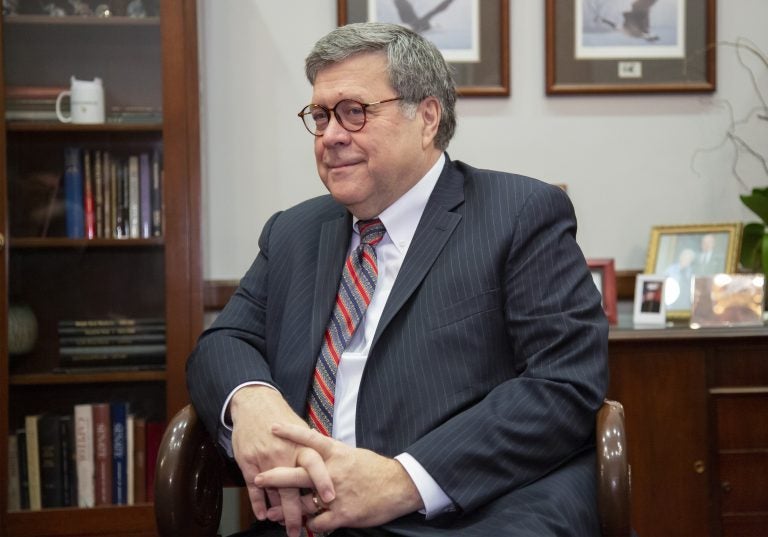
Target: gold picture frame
[{"x": 680, "y": 252}]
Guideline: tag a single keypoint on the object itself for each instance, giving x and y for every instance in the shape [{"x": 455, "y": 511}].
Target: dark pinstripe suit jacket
[{"x": 490, "y": 358}]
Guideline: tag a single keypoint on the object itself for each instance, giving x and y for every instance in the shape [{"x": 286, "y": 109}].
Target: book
[
  {"x": 88, "y": 196},
  {"x": 51, "y": 470},
  {"x": 102, "y": 446},
  {"x": 129, "y": 460},
  {"x": 108, "y": 323},
  {"x": 154, "y": 435},
  {"x": 113, "y": 188},
  {"x": 145, "y": 195},
  {"x": 73, "y": 193},
  {"x": 139, "y": 460},
  {"x": 21, "y": 439},
  {"x": 119, "y": 416},
  {"x": 108, "y": 332},
  {"x": 14, "y": 490},
  {"x": 107, "y": 194},
  {"x": 33, "y": 462},
  {"x": 111, "y": 355},
  {"x": 134, "y": 215},
  {"x": 113, "y": 340},
  {"x": 84, "y": 454},
  {"x": 98, "y": 193},
  {"x": 156, "y": 198},
  {"x": 68, "y": 463}
]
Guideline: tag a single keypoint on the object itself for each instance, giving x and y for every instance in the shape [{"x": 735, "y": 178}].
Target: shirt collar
[{"x": 402, "y": 217}]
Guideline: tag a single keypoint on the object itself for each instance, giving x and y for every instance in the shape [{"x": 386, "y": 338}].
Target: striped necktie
[{"x": 358, "y": 281}]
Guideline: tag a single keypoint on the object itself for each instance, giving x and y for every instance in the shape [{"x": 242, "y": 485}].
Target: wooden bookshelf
[{"x": 146, "y": 63}]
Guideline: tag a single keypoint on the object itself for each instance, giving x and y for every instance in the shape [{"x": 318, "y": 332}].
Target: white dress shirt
[{"x": 400, "y": 220}]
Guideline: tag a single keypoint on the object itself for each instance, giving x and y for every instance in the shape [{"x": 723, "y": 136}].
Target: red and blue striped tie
[{"x": 358, "y": 281}]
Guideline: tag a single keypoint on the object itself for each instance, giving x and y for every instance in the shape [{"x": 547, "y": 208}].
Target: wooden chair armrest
[
  {"x": 613, "y": 471},
  {"x": 188, "y": 479}
]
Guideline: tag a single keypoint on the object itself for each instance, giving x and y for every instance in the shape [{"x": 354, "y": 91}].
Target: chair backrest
[{"x": 190, "y": 470}]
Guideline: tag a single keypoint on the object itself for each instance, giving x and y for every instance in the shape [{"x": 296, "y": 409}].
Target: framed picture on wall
[
  {"x": 681, "y": 252},
  {"x": 604, "y": 276},
  {"x": 473, "y": 35},
  {"x": 630, "y": 46}
]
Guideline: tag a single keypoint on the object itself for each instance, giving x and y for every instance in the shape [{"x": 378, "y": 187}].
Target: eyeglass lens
[{"x": 351, "y": 115}]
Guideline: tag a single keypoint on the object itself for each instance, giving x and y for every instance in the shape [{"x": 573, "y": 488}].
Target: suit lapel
[
  {"x": 434, "y": 229},
  {"x": 332, "y": 250}
]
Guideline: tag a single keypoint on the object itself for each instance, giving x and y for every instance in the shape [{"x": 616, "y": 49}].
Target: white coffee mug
[{"x": 86, "y": 102}]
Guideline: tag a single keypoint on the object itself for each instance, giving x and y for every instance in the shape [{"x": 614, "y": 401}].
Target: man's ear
[{"x": 430, "y": 112}]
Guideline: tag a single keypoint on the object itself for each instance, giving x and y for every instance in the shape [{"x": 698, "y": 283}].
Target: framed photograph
[
  {"x": 728, "y": 300},
  {"x": 681, "y": 252},
  {"x": 630, "y": 46},
  {"x": 649, "y": 308},
  {"x": 604, "y": 275},
  {"x": 473, "y": 35}
]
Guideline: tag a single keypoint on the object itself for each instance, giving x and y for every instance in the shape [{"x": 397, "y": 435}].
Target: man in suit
[{"x": 468, "y": 377}]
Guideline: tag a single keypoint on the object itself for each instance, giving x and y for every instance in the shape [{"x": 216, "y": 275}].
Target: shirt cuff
[
  {"x": 226, "y": 422},
  {"x": 436, "y": 501}
]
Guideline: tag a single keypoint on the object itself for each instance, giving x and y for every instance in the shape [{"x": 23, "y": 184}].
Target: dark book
[
  {"x": 102, "y": 447},
  {"x": 154, "y": 434},
  {"x": 156, "y": 198},
  {"x": 115, "y": 361},
  {"x": 107, "y": 332},
  {"x": 155, "y": 349},
  {"x": 73, "y": 193},
  {"x": 14, "y": 495},
  {"x": 88, "y": 196},
  {"x": 116, "y": 340},
  {"x": 139, "y": 460},
  {"x": 51, "y": 463},
  {"x": 98, "y": 193},
  {"x": 119, "y": 415},
  {"x": 68, "y": 462},
  {"x": 21, "y": 439},
  {"x": 108, "y": 323},
  {"x": 106, "y": 168}
]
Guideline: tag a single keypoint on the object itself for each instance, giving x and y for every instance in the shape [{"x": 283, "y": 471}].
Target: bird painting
[
  {"x": 637, "y": 21},
  {"x": 418, "y": 23}
]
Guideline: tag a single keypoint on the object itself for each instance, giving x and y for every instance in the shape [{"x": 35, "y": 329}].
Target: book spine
[
  {"x": 108, "y": 323},
  {"x": 119, "y": 414},
  {"x": 49, "y": 447},
  {"x": 88, "y": 197},
  {"x": 102, "y": 445},
  {"x": 68, "y": 465},
  {"x": 33, "y": 463},
  {"x": 128, "y": 339},
  {"x": 129, "y": 459},
  {"x": 21, "y": 438},
  {"x": 117, "y": 350},
  {"x": 107, "y": 194},
  {"x": 114, "y": 331},
  {"x": 157, "y": 195},
  {"x": 145, "y": 192},
  {"x": 139, "y": 460},
  {"x": 134, "y": 216},
  {"x": 14, "y": 490},
  {"x": 121, "y": 201},
  {"x": 98, "y": 193},
  {"x": 73, "y": 193},
  {"x": 154, "y": 434},
  {"x": 84, "y": 455},
  {"x": 114, "y": 186}
]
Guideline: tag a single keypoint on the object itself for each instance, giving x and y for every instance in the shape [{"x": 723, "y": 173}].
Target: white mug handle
[{"x": 61, "y": 116}]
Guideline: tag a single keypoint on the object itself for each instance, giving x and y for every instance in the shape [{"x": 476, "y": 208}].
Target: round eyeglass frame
[{"x": 307, "y": 111}]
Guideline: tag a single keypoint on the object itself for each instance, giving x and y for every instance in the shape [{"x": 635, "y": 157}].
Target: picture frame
[
  {"x": 594, "y": 46},
  {"x": 604, "y": 275},
  {"x": 649, "y": 308},
  {"x": 680, "y": 252},
  {"x": 476, "y": 48},
  {"x": 728, "y": 300}
]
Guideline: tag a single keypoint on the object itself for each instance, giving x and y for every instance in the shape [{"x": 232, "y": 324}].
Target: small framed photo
[
  {"x": 681, "y": 252},
  {"x": 649, "y": 307},
  {"x": 473, "y": 35},
  {"x": 629, "y": 46},
  {"x": 728, "y": 300},
  {"x": 604, "y": 276}
]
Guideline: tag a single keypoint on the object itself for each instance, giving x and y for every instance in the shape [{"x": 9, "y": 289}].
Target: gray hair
[{"x": 416, "y": 67}]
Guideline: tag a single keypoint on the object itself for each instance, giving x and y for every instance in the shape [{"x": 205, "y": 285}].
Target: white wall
[{"x": 626, "y": 159}]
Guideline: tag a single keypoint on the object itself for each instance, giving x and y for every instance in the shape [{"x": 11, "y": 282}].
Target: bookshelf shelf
[
  {"x": 49, "y": 279},
  {"x": 43, "y": 379},
  {"x": 60, "y": 242}
]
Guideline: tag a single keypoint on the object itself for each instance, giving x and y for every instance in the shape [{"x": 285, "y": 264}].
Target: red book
[
  {"x": 154, "y": 433},
  {"x": 139, "y": 460},
  {"x": 88, "y": 199},
  {"x": 102, "y": 448}
]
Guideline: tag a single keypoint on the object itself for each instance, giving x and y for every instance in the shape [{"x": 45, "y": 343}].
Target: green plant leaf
[
  {"x": 752, "y": 246},
  {"x": 757, "y": 201}
]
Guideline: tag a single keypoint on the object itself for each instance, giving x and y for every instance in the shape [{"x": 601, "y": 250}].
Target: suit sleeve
[
  {"x": 232, "y": 351},
  {"x": 557, "y": 332}
]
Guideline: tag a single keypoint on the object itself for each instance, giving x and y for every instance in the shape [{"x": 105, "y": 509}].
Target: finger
[
  {"x": 283, "y": 477},
  {"x": 258, "y": 502},
  {"x": 304, "y": 436},
  {"x": 290, "y": 502},
  {"x": 314, "y": 465}
]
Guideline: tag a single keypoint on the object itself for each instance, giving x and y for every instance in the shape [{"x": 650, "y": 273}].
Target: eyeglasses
[{"x": 349, "y": 113}]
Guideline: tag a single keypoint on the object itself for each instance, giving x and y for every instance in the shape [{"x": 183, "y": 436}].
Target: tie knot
[{"x": 371, "y": 231}]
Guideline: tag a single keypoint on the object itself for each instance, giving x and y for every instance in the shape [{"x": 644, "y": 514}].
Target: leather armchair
[{"x": 191, "y": 472}]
